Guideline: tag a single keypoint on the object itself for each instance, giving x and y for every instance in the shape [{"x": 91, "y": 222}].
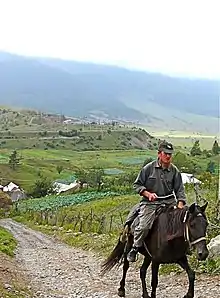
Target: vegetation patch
[
  {"x": 7, "y": 242},
  {"x": 113, "y": 171},
  {"x": 55, "y": 202},
  {"x": 12, "y": 284}
]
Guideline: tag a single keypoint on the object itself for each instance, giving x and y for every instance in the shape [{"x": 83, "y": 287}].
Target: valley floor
[{"x": 56, "y": 270}]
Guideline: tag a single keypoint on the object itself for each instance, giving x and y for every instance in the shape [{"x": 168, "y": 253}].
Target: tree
[
  {"x": 215, "y": 148},
  {"x": 206, "y": 178},
  {"x": 42, "y": 187},
  {"x": 183, "y": 163},
  {"x": 14, "y": 160},
  {"x": 196, "y": 149},
  {"x": 59, "y": 169},
  {"x": 211, "y": 167},
  {"x": 94, "y": 177}
]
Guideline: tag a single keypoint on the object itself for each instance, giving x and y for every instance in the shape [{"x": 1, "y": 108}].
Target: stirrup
[{"x": 136, "y": 256}]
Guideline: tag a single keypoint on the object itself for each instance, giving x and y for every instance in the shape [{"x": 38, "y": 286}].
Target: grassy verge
[
  {"x": 7, "y": 242},
  {"x": 17, "y": 292},
  {"x": 12, "y": 284}
]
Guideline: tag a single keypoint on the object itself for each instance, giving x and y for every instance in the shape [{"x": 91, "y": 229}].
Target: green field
[
  {"x": 45, "y": 162},
  {"x": 35, "y": 161},
  {"x": 45, "y": 144},
  {"x": 186, "y": 139}
]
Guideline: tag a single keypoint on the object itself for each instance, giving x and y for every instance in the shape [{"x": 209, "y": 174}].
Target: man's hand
[
  {"x": 180, "y": 205},
  {"x": 151, "y": 196}
]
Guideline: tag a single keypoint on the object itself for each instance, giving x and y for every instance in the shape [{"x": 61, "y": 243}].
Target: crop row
[{"x": 55, "y": 202}]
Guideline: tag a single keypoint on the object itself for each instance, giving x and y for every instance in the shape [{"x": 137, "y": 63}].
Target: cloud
[{"x": 177, "y": 37}]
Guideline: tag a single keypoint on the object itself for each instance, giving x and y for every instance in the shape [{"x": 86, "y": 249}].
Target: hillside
[
  {"x": 85, "y": 89},
  {"x": 28, "y": 129},
  {"x": 44, "y": 143}
]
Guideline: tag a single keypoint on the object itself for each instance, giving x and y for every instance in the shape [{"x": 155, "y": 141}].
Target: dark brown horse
[{"x": 174, "y": 231}]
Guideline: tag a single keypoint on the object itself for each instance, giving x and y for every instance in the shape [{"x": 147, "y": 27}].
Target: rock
[
  {"x": 8, "y": 287},
  {"x": 214, "y": 247}
]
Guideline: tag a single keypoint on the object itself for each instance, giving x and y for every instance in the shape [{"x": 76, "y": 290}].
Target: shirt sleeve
[
  {"x": 179, "y": 187},
  {"x": 140, "y": 182}
]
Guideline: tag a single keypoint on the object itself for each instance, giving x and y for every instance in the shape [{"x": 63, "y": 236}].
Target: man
[{"x": 159, "y": 178}]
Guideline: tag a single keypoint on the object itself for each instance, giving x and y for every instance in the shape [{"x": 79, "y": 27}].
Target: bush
[
  {"x": 42, "y": 187},
  {"x": 5, "y": 201}
]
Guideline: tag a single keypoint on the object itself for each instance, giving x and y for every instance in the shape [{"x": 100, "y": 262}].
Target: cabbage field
[{"x": 54, "y": 202}]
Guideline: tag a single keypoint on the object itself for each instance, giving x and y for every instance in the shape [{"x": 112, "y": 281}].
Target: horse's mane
[{"x": 170, "y": 225}]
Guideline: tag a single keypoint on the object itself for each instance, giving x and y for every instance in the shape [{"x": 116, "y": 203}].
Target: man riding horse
[{"x": 158, "y": 182}]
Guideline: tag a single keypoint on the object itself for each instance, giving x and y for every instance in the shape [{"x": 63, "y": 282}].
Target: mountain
[
  {"x": 29, "y": 83},
  {"x": 80, "y": 89}
]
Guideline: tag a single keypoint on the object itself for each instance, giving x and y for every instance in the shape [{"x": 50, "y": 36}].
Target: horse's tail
[{"x": 117, "y": 254}]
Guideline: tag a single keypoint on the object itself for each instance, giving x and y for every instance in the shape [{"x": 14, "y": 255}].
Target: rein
[{"x": 186, "y": 232}]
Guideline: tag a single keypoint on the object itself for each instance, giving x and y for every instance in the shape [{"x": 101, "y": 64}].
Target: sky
[{"x": 177, "y": 37}]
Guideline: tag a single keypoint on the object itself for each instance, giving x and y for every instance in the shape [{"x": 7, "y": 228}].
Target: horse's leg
[
  {"x": 143, "y": 273},
  {"x": 154, "y": 279},
  {"x": 191, "y": 276},
  {"x": 121, "y": 290}
]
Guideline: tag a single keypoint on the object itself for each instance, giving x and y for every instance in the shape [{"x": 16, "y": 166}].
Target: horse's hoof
[{"x": 121, "y": 293}]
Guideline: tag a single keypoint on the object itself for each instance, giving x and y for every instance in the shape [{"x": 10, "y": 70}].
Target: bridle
[{"x": 186, "y": 231}]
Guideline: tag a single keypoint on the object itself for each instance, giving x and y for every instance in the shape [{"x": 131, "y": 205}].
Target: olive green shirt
[{"x": 162, "y": 181}]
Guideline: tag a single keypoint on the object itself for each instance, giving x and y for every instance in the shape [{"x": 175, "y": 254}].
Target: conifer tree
[{"x": 215, "y": 148}]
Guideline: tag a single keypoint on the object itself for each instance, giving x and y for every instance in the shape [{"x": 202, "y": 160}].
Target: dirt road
[{"x": 56, "y": 270}]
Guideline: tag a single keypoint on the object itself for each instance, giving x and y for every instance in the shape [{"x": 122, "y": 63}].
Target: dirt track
[{"x": 56, "y": 270}]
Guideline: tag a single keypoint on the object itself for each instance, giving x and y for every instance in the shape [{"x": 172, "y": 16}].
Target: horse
[{"x": 174, "y": 232}]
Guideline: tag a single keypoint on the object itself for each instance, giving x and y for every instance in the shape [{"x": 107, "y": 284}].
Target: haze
[{"x": 173, "y": 37}]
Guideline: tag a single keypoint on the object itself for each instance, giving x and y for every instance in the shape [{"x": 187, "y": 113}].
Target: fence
[{"x": 89, "y": 222}]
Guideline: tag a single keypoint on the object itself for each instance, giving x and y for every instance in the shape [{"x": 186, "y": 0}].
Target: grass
[
  {"x": 118, "y": 206},
  {"x": 7, "y": 242},
  {"x": 8, "y": 269},
  {"x": 35, "y": 161},
  {"x": 115, "y": 149},
  {"x": 186, "y": 139},
  {"x": 113, "y": 162},
  {"x": 19, "y": 292}
]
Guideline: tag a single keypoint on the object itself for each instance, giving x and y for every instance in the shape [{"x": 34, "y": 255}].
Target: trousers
[
  {"x": 146, "y": 213},
  {"x": 146, "y": 216}
]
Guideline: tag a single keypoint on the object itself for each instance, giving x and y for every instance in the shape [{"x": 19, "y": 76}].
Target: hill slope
[{"x": 77, "y": 89}]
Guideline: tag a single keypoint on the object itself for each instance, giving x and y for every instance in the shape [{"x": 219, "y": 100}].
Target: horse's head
[{"x": 196, "y": 230}]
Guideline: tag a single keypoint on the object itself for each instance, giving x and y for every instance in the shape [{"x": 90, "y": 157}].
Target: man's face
[{"x": 165, "y": 158}]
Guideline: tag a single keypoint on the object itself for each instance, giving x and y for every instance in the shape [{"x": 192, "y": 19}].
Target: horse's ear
[
  {"x": 192, "y": 208},
  {"x": 204, "y": 207}
]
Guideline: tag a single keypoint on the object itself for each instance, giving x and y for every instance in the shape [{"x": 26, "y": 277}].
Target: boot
[{"x": 131, "y": 257}]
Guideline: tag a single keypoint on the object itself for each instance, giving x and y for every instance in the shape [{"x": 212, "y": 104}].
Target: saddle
[{"x": 134, "y": 219}]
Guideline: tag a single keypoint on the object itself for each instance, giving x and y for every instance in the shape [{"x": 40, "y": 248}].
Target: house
[
  {"x": 13, "y": 191},
  {"x": 10, "y": 187},
  {"x": 189, "y": 178},
  {"x": 61, "y": 187},
  {"x": 17, "y": 194}
]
